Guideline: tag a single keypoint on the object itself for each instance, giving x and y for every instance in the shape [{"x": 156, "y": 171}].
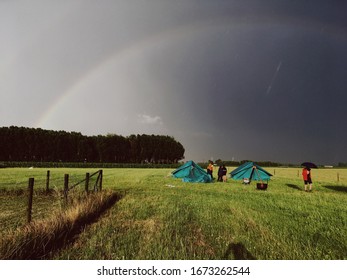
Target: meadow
[{"x": 158, "y": 217}]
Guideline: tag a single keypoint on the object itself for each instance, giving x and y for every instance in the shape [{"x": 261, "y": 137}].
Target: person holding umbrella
[{"x": 306, "y": 175}]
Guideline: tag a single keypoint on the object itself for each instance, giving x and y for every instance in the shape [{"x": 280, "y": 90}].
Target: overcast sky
[{"x": 258, "y": 80}]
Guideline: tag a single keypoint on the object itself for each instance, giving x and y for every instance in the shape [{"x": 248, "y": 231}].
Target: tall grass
[{"x": 39, "y": 239}]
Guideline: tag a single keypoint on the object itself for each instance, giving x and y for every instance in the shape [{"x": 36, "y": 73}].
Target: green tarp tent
[
  {"x": 250, "y": 170},
  {"x": 191, "y": 172}
]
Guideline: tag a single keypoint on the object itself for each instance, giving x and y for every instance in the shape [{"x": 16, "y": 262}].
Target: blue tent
[
  {"x": 191, "y": 172},
  {"x": 250, "y": 170}
]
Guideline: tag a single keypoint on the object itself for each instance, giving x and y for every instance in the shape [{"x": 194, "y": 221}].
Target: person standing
[
  {"x": 224, "y": 173},
  {"x": 220, "y": 174},
  {"x": 306, "y": 175},
  {"x": 210, "y": 169}
]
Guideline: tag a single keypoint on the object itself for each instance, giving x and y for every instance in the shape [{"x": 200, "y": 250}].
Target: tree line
[{"x": 36, "y": 144}]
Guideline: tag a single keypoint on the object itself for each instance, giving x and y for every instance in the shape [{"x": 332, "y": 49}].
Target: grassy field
[{"x": 159, "y": 217}]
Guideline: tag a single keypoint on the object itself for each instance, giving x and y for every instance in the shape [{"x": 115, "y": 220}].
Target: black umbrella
[{"x": 309, "y": 165}]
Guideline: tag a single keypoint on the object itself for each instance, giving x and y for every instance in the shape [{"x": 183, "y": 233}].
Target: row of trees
[{"x": 35, "y": 144}]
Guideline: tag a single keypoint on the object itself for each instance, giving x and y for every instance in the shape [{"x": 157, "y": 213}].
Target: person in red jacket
[{"x": 306, "y": 175}]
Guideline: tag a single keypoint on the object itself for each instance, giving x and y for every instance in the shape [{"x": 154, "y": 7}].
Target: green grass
[
  {"x": 160, "y": 217},
  {"x": 41, "y": 238},
  {"x": 14, "y": 200}
]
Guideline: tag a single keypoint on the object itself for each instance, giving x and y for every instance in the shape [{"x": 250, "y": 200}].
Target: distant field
[
  {"x": 160, "y": 217},
  {"x": 323, "y": 175}
]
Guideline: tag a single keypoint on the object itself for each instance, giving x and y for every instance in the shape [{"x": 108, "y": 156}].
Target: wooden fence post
[
  {"x": 47, "y": 181},
  {"x": 100, "y": 182},
  {"x": 30, "y": 198},
  {"x": 338, "y": 177},
  {"x": 66, "y": 186},
  {"x": 87, "y": 183}
]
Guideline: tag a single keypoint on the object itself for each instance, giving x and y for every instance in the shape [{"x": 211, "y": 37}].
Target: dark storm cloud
[
  {"x": 260, "y": 80},
  {"x": 271, "y": 87}
]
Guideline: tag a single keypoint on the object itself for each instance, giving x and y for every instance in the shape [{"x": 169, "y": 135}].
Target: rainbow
[{"x": 175, "y": 35}]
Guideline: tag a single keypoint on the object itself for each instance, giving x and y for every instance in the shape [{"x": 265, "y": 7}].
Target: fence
[
  {"x": 97, "y": 187},
  {"x": 322, "y": 175}
]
